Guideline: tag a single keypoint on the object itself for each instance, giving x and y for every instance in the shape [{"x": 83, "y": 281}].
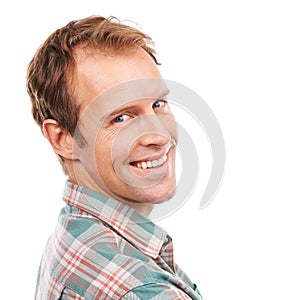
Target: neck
[{"x": 143, "y": 208}]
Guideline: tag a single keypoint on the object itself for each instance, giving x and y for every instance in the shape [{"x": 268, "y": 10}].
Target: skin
[{"x": 125, "y": 120}]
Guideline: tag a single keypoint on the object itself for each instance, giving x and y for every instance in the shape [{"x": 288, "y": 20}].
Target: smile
[{"x": 151, "y": 163}]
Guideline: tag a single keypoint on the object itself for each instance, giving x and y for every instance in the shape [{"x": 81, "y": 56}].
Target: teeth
[
  {"x": 151, "y": 164},
  {"x": 155, "y": 163}
]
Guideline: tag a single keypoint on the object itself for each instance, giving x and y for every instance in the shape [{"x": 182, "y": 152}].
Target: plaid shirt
[{"x": 103, "y": 249}]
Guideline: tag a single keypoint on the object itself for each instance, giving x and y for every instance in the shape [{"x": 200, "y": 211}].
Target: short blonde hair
[{"x": 49, "y": 75}]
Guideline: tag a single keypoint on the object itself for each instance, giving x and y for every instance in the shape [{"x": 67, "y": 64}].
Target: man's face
[{"x": 128, "y": 127}]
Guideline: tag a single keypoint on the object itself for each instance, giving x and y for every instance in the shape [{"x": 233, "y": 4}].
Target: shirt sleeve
[{"x": 154, "y": 291}]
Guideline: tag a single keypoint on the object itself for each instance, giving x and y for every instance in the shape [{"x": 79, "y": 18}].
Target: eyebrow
[{"x": 119, "y": 111}]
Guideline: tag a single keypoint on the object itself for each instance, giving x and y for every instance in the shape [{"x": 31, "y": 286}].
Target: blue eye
[
  {"x": 119, "y": 119},
  {"x": 157, "y": 104}
]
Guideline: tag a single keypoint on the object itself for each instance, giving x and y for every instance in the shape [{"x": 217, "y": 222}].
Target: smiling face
[{"x": 128, "y": 127}]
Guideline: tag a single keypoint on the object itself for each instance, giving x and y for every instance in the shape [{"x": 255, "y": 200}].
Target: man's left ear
[{"x": 59, "y": 138}]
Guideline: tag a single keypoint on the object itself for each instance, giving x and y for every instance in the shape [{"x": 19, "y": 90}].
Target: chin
[{"x": 154, "y": 196}]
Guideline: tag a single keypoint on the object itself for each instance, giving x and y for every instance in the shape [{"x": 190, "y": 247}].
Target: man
[{"x": 99, "y": 99}]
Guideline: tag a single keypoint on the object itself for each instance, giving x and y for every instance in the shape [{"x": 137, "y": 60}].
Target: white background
[{"x": 243, "y": 58}]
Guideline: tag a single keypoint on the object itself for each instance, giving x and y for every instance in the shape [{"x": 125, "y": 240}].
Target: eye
[
  {"x": 120, "y": 119},
  {"x": 158, "y": 104}
]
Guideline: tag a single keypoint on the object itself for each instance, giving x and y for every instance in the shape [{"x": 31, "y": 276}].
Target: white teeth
[
  {"x": 151, "y": 164},
  {"x": 155, "y": 163}
]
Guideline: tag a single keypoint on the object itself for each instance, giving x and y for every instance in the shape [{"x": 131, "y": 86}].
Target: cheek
[
  {"x": 102, "y": 151},
  {"x": 171, "y": 126},
  {"x": 106, "y": 152}
]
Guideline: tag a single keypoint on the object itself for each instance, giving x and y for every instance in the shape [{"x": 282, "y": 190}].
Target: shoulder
[{"x": 91, "y": 259}]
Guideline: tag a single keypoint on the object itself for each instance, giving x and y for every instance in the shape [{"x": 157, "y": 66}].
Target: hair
[{"x": 49, "y": 74}]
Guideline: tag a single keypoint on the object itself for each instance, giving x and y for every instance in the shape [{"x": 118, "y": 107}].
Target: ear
[{"x": 59, "y": 138}]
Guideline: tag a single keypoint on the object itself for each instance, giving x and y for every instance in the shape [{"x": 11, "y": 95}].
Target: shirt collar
[{"x": 136, "y": 228}]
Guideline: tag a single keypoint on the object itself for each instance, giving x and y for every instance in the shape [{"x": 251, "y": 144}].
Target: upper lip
[{"x": 149, "y": 158}]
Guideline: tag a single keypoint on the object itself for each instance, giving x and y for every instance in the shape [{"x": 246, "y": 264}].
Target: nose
[
  {"x": 155, "y": 131},
  {"x": 154, "y": 139}
]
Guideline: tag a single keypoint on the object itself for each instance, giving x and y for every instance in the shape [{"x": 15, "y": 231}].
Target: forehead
[
  {"x": 130, "y": 93},
  {"x": 95, "y": 73}
]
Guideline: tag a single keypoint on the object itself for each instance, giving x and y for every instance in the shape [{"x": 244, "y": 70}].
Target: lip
[
  {"x": 155, "y": 171},
  {"x": 157, "y": 156}
]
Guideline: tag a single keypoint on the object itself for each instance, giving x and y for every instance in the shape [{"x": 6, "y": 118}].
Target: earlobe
[{"x": 59, "y": 138}]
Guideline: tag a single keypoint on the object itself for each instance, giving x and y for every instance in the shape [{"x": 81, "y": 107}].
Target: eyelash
[
  {"x": 115, "y": 119},
  {"x": 159, "y": 101},
  {"x": 163, "y": 102}
]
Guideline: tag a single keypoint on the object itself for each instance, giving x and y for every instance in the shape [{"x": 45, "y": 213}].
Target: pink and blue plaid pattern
[{"x": 103, "y": 249}]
